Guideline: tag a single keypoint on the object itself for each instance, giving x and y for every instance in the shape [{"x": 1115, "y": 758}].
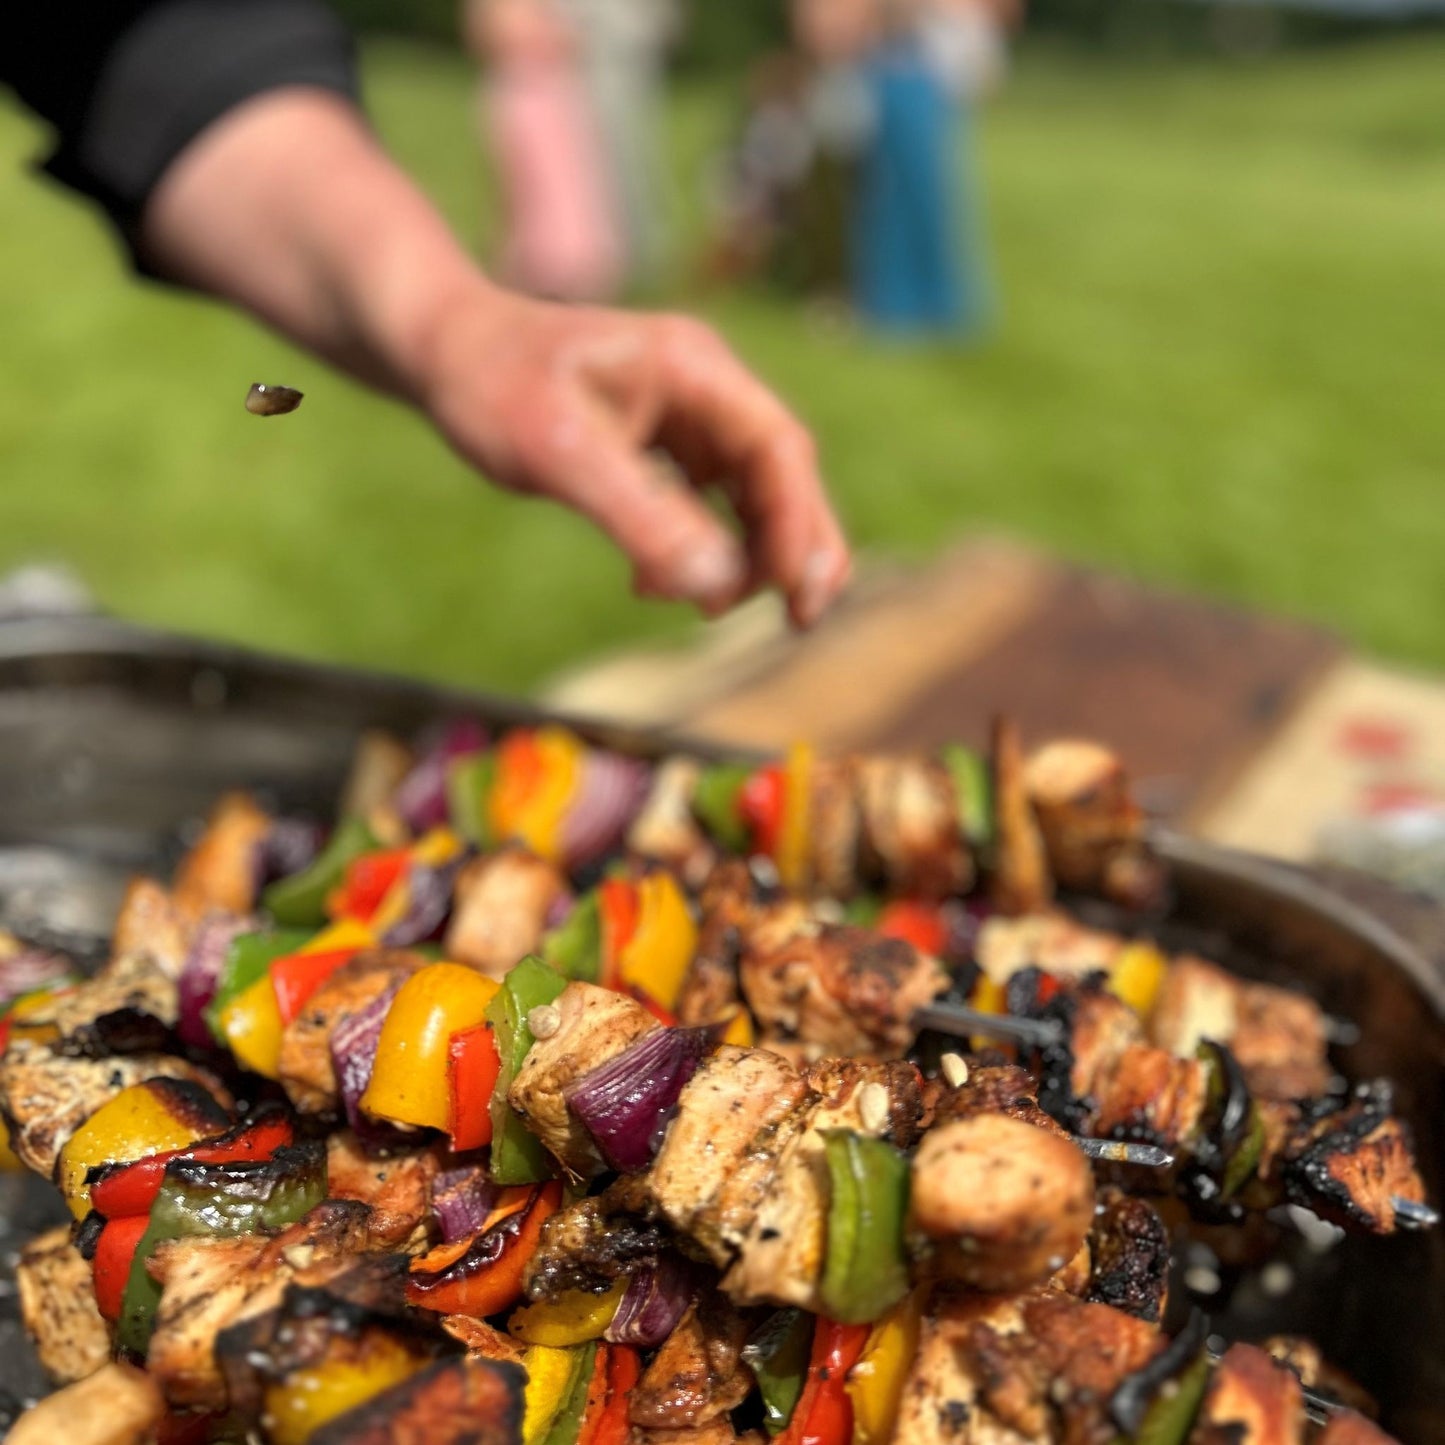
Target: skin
[{"x": 288, "y": 207}]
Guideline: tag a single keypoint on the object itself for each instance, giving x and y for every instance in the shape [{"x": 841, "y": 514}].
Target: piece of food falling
[{"x": 263, "y": 400}]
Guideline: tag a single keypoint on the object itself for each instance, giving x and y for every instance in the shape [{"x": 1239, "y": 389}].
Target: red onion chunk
[
  {"x": 353, "y": 1056},
  {"x": 461, "y": 1199},
  {"x": 288, "y": 846},
  {"x": 201, "y": 973},
  {"x": 626, "y": 1103},
  {"x": 653, "y": 1304},
  {"x": 421, "y": 797},
  {"x": 559, "y": 910},
  {"x": 30, "y": 969},
  {"x": 429, "y": 902},
  {"x": 611, "y": 790}
]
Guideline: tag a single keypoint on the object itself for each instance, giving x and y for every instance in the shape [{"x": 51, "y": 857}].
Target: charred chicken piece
[
  {"x": 835, "y": 826},
  {"x": 128, "y": 1008},
  {"x": 593, "y": 1243},
  {"x": 150, "y": 923},
  {"x": 1091, "y": 826},
  {"x": 1250, "y": 1400},
  {"x": 1020, "y": 881},
  {"x": 500, "y": 910},
  {"x": 57, "y": 1304},
  {"x": 218, "y": 875},
  {"x": 117, "y": 1405},
  {"x": 843, "y": 990},
  {"x": 910, "y": 837},
  {"x": 698, "y": 1374},
  {"x": 396, "y": 1188},
  {"x": 665, "y": 829},
  {"x": 1001, "y": 1205}
]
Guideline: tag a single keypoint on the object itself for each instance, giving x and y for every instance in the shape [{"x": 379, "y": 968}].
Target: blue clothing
[{"x": 918, "y": 262}]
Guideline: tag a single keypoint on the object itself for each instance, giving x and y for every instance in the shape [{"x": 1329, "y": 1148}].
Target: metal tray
[{"x": 115, "y": 740}]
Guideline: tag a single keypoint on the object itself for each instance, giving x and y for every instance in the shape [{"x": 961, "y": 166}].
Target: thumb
[{"x": 678, "y": 548}]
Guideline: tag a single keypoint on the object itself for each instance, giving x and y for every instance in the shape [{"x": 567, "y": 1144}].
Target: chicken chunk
[
  {"x": 219, "y": 874},
  {"x": 1021, "y": 881},
  {"x": 780, "y": 1258},
  {"x": 835, "y": 827},
  {"x": 593, "y": 1243},
  {"x": 378, "y": 765},
  {"x": 117, "y": 1405},
  {"x": 501, "y": 908},
  {"x": 129, "y": 1007},
  {"x": 712, "y": 1171},
  {"x": 594, "y": 1025},
  {"x": 46, "y": 1097},
  {"x": 483, "y": 1341},
  {"x": 306, "y": 1069},
  {"x": 1148, "y": 1093},
  {"x": 910, "y": 830},
  {"x": 1004, "y": 1205},
  {"x": 1130, "y": 1256},
  {"x": 149, "y": 922},
  {"x": 1053, "y": 942},
  {"x": 57, "y": 1304},
  {"x": 1252, "y": 1399},
  {"x": 1349, "y": 1427},
  {"x": 397, "y": 1189},
  {"x": 665, "y": 829},
  {"x": 845, "y": 991},
  {"x": 209, "y": 1284},
  {"x": 698, "y": 1374}
]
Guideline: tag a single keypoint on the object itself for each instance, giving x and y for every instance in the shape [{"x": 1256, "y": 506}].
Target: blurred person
[
  {"x": 224, "y": 140},
  {"x": 622, "y": 47},
  {"x": 919, "y": 262},
  {"x": 562, "y": 238}
]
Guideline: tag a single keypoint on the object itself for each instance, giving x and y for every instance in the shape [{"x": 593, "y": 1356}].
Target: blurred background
[{"x": 1194, "y": 335}]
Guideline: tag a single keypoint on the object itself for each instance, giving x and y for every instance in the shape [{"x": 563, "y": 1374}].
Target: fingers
[
  {"x": 737, "y": 427},
  {"x": 679, "y": 550}
]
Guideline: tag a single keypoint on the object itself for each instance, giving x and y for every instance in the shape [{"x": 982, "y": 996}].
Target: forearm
[{"x": 288, "y": 207}]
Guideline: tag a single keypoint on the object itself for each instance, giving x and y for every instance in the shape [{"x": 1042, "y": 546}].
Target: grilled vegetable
[
  {"x": 866, "y": 1272},
  {"x": 300, "y": 901},
  {"x": 517, "y": 1156}
]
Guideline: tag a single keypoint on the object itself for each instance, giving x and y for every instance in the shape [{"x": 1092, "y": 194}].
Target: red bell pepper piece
[
  {"x": 920, "y": 924},
  {"x": 618, "y": 903},
  {"x": 760, "y": 805},
  {"x": 5, "y": 1032},
  {"x": 473, "y": 1064},
  {"x": 129, "y": 1190},
  {"x": 609, "y": 1424},
  {"x": 1046, "y": 988},
  {"x": 110, "y": 1265},
  {"x": 487, "y": 1277},
  {"x": 824, "y": 1413},
  {"x": 368, "y": 879},
  {"x": 296, "y": 976}
]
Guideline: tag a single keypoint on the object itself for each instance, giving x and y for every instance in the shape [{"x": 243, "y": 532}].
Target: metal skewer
[
  {"x": 959, "y": 1019},
  {"x": 1116, "y": 1151},
  {"x": 1412, "y": 1214}
]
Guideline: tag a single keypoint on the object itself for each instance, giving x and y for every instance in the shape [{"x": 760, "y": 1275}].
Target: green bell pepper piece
[
  {"x": 715, "y": 804},
  {"x": 1244, "y": 1162},
  {"x": 1171, "y": 1416},
  {"x": 469, "y": 785},
  {"x": 974, "y": 790},
  {"x": 301, "y": 899},
  {"x": 218, "y": 1200},
  {"x": 566, "y": 1424},
  {"x": 865, "y": 1272},
  {"x": 864, "y": 910},
  {"x": 777, "y": 1354},
  {"x": 248, "y": 957},
  {"x": 517, "y": 1154},
  {"x": 574, "y": 948}
]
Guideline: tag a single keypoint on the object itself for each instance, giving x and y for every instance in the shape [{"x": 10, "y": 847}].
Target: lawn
[{"x": 1218, "y": 365}]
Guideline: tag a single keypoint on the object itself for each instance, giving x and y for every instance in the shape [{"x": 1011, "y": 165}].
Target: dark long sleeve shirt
[{"x": 128, "y": 84}]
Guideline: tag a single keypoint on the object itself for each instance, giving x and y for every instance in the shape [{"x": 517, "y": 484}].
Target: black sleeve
[{"x": 127, "y": 84}]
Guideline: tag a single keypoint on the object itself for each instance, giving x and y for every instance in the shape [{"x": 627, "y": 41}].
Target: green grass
[{"x": 1218, "y": 366}]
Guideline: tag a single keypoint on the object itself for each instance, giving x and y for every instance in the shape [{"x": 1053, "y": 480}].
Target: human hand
[{"x": 572, "y": 404}]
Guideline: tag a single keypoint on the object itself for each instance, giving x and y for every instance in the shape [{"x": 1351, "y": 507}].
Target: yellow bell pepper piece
[
  {"x": 570, "y": 1319},
  {"x": 252, "y": 1027},
  {"x": 792, "y": 859},
  {"x": 9, "y": 1160},
  {"x": 875, "y": 1384},
  {"x": 30, "y": 1016},
  {"x": 409, "y": 1080},
  {"x": 549, "y": 1373},
  {"x": 740, "y": 1031},
  {"x": 439, "y": 846},
  {"x": 347, "y": 933},
  {"x": 659, "y": 953},
  {"x": 310, "y": 1398},
  {"x": 530, "y": 807},
  {"x": 1137, "y": 976},
  {"x": 130, "y": 1126},
  {"x": 988, "y": 997}
]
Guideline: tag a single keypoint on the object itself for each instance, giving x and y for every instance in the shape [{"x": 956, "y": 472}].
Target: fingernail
[
  {"x": 817, "y": 588},
  {"x": 708, "y": 575}
]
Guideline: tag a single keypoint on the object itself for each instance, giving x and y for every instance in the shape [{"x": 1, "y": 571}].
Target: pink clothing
[{"x": 562, "y": 239}]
